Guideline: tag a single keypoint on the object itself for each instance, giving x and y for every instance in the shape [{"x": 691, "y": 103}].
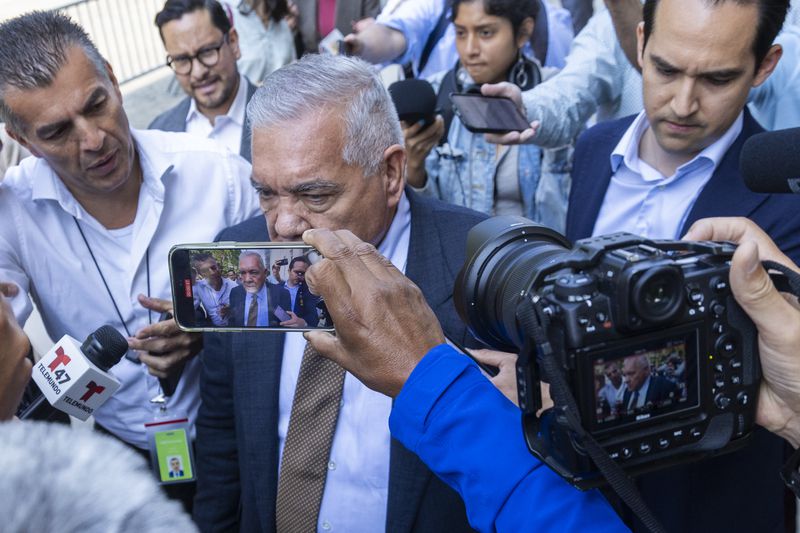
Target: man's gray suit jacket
[{"x": 174, "y": 119}]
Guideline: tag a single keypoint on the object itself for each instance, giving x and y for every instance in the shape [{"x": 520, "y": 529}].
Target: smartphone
[
  {"x": 488, "y": 114},
  {"x": 234, "y": 286}
]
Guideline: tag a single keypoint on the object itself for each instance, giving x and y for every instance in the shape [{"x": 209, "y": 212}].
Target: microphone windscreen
[
  {"x": 770, "y": 162},
  {"x": 414, "y": 100},
  {"x": 105, "y": 347}
]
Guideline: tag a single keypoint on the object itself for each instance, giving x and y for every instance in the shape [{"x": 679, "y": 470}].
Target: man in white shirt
[
  {"x": 214, "y": 290},
  {"x": 202, "y": 48},
  {"x": 328, "y": 153},
  {"x": 86, "y": 225}
]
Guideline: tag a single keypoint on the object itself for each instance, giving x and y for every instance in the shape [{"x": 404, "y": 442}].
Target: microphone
[
  {"x": 770, "y": 162},
  {"x": 414, "y": 100},
  {"x": 73, "y": 378}
]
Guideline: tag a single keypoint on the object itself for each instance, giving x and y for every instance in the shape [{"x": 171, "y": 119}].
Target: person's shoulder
[
  {"x": 427, "y": 207},
  {"x": 608, "y": 129},
  {"x": 19, "y": 179},
  {"x": 253, "y": 229},
  {"x": 174, "y": 118}
]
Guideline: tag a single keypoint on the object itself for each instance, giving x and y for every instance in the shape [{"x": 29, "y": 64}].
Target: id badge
[{"x": 171, "y": 456}]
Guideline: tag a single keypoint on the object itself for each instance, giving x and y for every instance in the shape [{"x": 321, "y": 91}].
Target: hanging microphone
[
  {"x": 73, "y": 377},
  {"x": 770, "y": 162},
  {"x": 414, "y": 100}
]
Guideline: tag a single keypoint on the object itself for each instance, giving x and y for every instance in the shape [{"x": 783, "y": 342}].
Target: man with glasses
[
  {"x": 202, "y": 48},
  {"x": 304, "y": 304}
]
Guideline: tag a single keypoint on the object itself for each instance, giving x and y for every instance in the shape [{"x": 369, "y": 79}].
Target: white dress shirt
[
  {"x": 227, "y": 128},
  {"x": 191, "y": 190},
  {"x": 357, "y": 486},
  {"x": 212, "y": 299},
  {"x": 641, "y": 200}
]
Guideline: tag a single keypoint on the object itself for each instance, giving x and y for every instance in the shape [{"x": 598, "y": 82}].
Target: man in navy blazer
[
  {"x": 677, "y": 162},
  {"x": 253, "y": 271},
  {"x": 333, "y": 157},
  {"x": 202, "y": 49}
]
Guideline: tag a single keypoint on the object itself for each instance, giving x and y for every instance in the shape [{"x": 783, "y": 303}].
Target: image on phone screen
[{"x": 245, "y": 286}]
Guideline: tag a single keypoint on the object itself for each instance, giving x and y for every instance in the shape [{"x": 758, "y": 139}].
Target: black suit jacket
[
  {"x": 174, "y": 119},
  {"x": 237, "y": 433},
  {"x": 276, "y": 294},
  {"x": 305, "y": 305},
  {"x": 739, "y": 491},
  {"x": 660, "y": 389}
]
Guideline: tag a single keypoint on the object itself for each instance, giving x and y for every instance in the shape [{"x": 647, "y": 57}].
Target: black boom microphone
[
  {"x": 414, "y": 100},
  {"x": 770, "y": 162}
]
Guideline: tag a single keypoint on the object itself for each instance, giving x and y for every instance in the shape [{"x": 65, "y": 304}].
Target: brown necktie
[
  {"x": 252, "y": 313},
  {"x": 312, "y": 422}
]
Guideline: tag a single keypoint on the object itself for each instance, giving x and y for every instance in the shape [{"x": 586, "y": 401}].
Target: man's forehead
[
  {"x": 698, "y": 34},
  {"x": 190, "y": 32},
  {"x": 73, "y": 85}
]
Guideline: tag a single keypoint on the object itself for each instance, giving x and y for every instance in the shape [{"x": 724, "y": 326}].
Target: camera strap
[{"x": 533, "y": 319}]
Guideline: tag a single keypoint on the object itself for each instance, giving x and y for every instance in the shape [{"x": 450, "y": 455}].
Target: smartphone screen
[
  {"x": 488, "y": 114},
  {"x": 244, "y": 286}
]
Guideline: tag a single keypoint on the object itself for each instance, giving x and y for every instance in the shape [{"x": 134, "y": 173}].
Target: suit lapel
[
  {"x": 408, "y": 476},
  {"x": 725, "y": 194},
  {"x": 590, "y": 178},
  {"x": 245, "y": 148},
  {"x": 258, "y": 368}
]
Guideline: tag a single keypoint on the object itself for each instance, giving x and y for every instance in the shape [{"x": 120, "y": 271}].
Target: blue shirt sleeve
[{"x": 470, "y": 436}]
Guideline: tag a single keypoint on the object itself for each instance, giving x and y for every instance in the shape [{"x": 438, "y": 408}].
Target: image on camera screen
[
  {"x": 650, "y": 381},
  {"x": 253, "y": 288}
]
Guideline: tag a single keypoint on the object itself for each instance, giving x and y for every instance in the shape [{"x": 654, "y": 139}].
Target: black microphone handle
[
  {"x": 38, "y": 408},
  {"x": 169, "y": 383}
]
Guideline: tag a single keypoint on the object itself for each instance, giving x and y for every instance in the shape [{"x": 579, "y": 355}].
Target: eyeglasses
[
  {"x": 208, "y": 57},
  {"x": 299, "y": 272}
]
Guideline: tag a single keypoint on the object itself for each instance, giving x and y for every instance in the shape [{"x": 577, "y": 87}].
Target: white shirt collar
[
  {"x": 627, "y": 150},
  {"x": 236, "y": 111},
  {"x": 394, "y": 245}
]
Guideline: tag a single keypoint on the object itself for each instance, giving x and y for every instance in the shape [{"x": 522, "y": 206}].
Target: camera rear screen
[
  {"x": 658, "y": 378},
  {"x": 245, "y": 288}
]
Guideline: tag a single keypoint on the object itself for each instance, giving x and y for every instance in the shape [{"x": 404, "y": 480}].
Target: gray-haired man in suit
[
  {"x": 285, "y": 442},
  {"x": 202, "y": 48}
]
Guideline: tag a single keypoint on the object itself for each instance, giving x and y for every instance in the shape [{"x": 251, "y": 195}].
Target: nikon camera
[{"x": 662, "y": 362}]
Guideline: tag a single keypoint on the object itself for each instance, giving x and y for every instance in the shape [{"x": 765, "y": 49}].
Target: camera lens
[
  {"x": 504, "y": 256},
  {"x": 656, "y": 295}
]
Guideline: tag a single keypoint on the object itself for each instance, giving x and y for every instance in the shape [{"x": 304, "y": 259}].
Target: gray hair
[
  {"x": 56, "y": 477},
  {"x": 254, "y": 253},
  {"x": 33, "y": 48},
  {"x": 320, "y": 82}
]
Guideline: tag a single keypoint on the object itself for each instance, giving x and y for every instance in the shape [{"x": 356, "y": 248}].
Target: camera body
[{"x": 660, "y": 359}]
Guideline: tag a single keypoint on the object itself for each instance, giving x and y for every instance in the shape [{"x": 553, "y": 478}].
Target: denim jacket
[{"x": 463, "y": 172}]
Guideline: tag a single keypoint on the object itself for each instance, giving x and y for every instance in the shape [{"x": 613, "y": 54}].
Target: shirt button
[
  {"x": 326, "y": 525},
  {"x": 331, "y": 466}
]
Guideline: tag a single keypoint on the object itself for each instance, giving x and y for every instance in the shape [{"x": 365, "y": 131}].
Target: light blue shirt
[
  {"x": 357, "y": 483},
  {"x": 263, "y": 306},
  {"x": 292, "y": 293},
  {"x": 416, "y": 21},
  {"x": 641, "y": 200}
]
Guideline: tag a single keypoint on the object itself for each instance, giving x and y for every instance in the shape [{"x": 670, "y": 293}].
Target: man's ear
[
  {"x": 768, "y": 64},
  {"x": 23, "y": 141},
  {"x": 113, "y": 78},
  {"x": 233, "y": 39},
  {"x": 394, "y": 158},
  {"x": 640, "y": 45}
]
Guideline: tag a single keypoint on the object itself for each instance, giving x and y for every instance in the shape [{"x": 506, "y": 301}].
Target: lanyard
[{"x": 105, "y": 283}]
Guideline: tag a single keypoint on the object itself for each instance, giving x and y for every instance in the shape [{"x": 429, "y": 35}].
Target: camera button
[
  {"x": 717, "y": 309},
  {"x": 627, "y": 453},
  {"x": 743, "y": 398},
  {"x": 719, "y": 284},
  {"x": 644, "y": 447},
  {"x": 719, "y": 380},
  {"x": 736, "y": 379},
  {"x": 722, "y": 401},
  {"x": 695, "y": 296},
  {"x": 736, "y": 364},
  {"x": 695, "y": 433},
  {"x": 719, "y": 327},
  {"x": 663, "y": 443},
  {"x": 719, "y": 367},
  {"x": 726, "y": 346}
]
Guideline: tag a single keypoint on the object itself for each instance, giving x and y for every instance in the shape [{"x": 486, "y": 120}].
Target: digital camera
[{"x": 660, "y": 359}]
